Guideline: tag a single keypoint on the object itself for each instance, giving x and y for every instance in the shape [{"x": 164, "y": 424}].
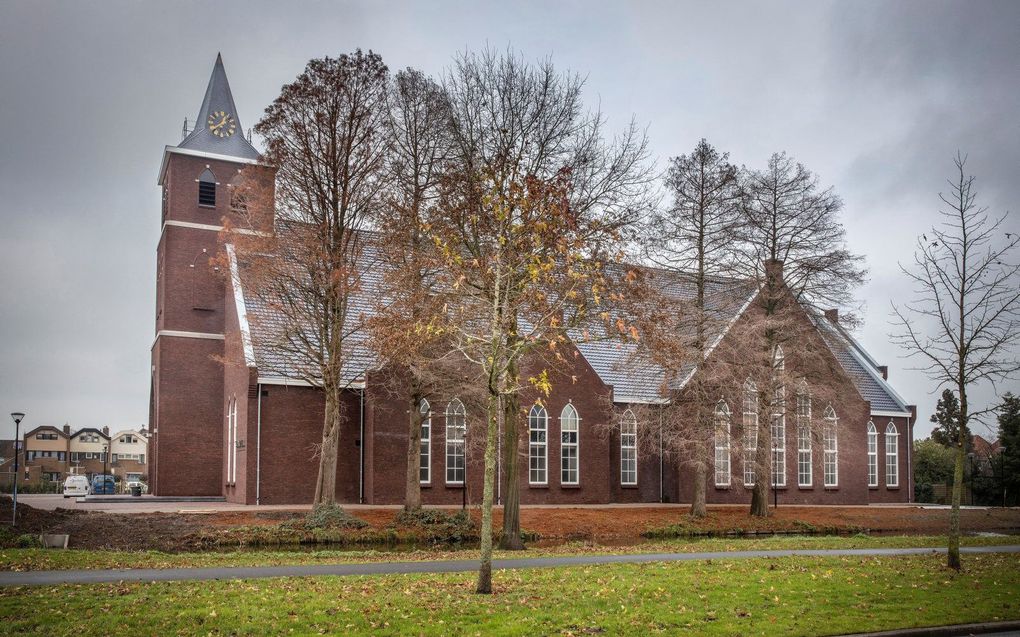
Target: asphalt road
[{"x": 30, "y": 578}]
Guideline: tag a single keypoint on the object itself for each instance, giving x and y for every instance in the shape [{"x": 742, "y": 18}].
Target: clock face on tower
[{"x": 221, "y": 123}]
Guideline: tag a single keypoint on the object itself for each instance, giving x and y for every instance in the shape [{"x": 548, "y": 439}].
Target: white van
[{"x": 76, "y": 486}]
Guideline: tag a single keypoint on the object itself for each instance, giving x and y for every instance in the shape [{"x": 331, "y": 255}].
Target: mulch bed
[{"x": 176, "y": 531}]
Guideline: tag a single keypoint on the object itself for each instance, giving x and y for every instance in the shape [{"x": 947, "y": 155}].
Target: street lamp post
[
  {"x": 106, "y": 465},
  {"x": 18, "y": 417}
]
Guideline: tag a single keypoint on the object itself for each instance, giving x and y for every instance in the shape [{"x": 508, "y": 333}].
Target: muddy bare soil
[{"x": 176, "y": 531}]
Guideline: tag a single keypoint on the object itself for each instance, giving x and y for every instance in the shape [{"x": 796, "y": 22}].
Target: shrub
[
  {"x": 332, "y": 516},
  {"x": 435, "y": 525}
]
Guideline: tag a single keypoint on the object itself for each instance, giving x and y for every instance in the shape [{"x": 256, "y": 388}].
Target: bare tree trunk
[
  {"x": 953, "y": 560},
  {"x": 485, "y": 568},
  {"x": 698, "y": 508},
  {"x": 511, "y": 539},
  {"x": 762, "y": 475},
  {"x": 412, "y": 488},
  {"x": 325, "y": 485}
]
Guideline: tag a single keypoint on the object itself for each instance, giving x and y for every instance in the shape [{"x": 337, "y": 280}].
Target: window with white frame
[
  {"x": 425, "y": 443},
  {"x": 232, "y": 441},
  {"x": 570, "y": 432},
  {"x": 750, "y": 423},
  {"x": 456, "y": 429},
  {"x": 872, "y": 455},
  {"x": 538, "y": 429},
  {"x": 778, "y": 424},
  {"x": 230, "y": 436},
  {"x": 892, "y": 456},
  {"x": 830, "y": 446},
  {"x": 722, "y": 444},
  {"x": 804, "y": 470},
  {"x": 628, "y": 448}
]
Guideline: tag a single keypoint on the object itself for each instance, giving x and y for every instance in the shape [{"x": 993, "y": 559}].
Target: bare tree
[
  {"x": 326, "y": 135},
  {"x": 406, "y": 326},
  {"x": 963, "y": 323},
  {"x": 794, "y": 247},
  {"x": 533, "y": 214},
  {"x": 692, "y": 238}
]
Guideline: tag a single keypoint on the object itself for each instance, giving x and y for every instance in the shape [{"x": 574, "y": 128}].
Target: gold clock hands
[{"x": 220, "y": 125}]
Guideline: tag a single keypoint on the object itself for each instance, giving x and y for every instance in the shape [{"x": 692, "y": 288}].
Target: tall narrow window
[
  {"x": 779, "y": 420},
  {"x": 830, "y": 444},
  {"x": 425, "y": 443},
  {"x": 569, "y": 439},
  {"x": 750, "y": 431},
  {"x": 628, "y": 448},
  {"x": 722, "y": 444},
  {"x": 872, "y": 455},
  {"x": 207, "y": 189},
  {"x": 804, "y": 476},
  {"x": 232, "y": 441},
  {"x": 456, "y": 429},
  {"x": 538, "y": 428},
  {"x": 892, "y": 456}
]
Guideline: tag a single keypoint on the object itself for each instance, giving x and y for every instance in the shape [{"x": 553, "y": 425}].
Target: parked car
[
  {"x": 76, "y": 487},
  {"x": 103, "y": 485},
  {"x": 129, "y": 487}
]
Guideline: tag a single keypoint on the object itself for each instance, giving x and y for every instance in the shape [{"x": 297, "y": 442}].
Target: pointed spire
[{"x": 217, "y": 128}]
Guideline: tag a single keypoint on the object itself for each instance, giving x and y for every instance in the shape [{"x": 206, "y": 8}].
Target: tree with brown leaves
[
  {"x": 693, "y": 240},
  {"x": 964, "y": 321},
  {"x": 326, "y": 136},
  {"x": 406, "y": 327},
  {"x": 532, "y": 216}
]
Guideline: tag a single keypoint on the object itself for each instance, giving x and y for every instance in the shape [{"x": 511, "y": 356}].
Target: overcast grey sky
[{"x": 875, "y": 97}]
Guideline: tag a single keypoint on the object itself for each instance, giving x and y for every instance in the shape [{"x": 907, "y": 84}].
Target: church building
[{"x": 227, "y": 419}]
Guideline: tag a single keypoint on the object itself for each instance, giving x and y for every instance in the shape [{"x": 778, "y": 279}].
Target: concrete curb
[{"x": 946, "y": 631}]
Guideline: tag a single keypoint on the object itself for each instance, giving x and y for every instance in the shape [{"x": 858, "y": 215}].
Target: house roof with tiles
[{"x": 617, "y": 363}]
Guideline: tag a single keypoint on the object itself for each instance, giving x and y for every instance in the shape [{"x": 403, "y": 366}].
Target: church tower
[{"x": 186, "y": 410}]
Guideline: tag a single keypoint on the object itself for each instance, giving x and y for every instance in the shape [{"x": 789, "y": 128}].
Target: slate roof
[
  {"x": 268, "y": 324},
  {"x": 619, "y": 364},
  {"x": 218, "y": 98},
  {"x": 859, "y": 365},
  {"x": 636, "y": 379}
]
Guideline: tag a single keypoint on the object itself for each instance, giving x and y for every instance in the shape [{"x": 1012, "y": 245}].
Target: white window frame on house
[
  {"x": 538, "y": 446},
  {"x": 872, "y": 454},
  {"x": 231, "y": 441},
  {"x": 750, "y": 423},
  {"x": 425, "y": 443},
  {"x": 778, "y": 423},
  {"x": 628, "y": 449},
  {"x": 722, "y": 444},
  {"x": 805, "y": 470},
  {"x": 570, "y": 445},
  {"x": 892, "y": 455},
  {"x": 456, "y": 432},
  {"x": 830, "y": 447}
]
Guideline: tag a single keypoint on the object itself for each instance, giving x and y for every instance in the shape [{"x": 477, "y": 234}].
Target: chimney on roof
[
  {"x": 833, "y": 316},
  {"x": 106, "y": 431},
  {"x": 67, "y": 430},
  {"x": 884, "y": 370}
]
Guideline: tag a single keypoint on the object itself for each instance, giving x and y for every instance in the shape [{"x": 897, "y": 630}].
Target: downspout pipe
[
  {"x": 361, "y": 449},
  {"x": 258, "y": 448},
  {"x": 661, "y": 489}
]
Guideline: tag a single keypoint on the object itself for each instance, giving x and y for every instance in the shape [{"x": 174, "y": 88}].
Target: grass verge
[
  {"x": 34, "y": 559},
  {"x": 789, "y": 596}
]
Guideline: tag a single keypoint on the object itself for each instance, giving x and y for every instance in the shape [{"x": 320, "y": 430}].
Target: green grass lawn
[
  {"x": 783, "y": 596},
  {"x": 42, "y": 559}
]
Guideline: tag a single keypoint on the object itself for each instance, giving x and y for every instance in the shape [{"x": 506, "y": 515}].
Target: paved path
[
  {"x": 445, "y": 566},
  {"x": 153, "y": 504}
]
